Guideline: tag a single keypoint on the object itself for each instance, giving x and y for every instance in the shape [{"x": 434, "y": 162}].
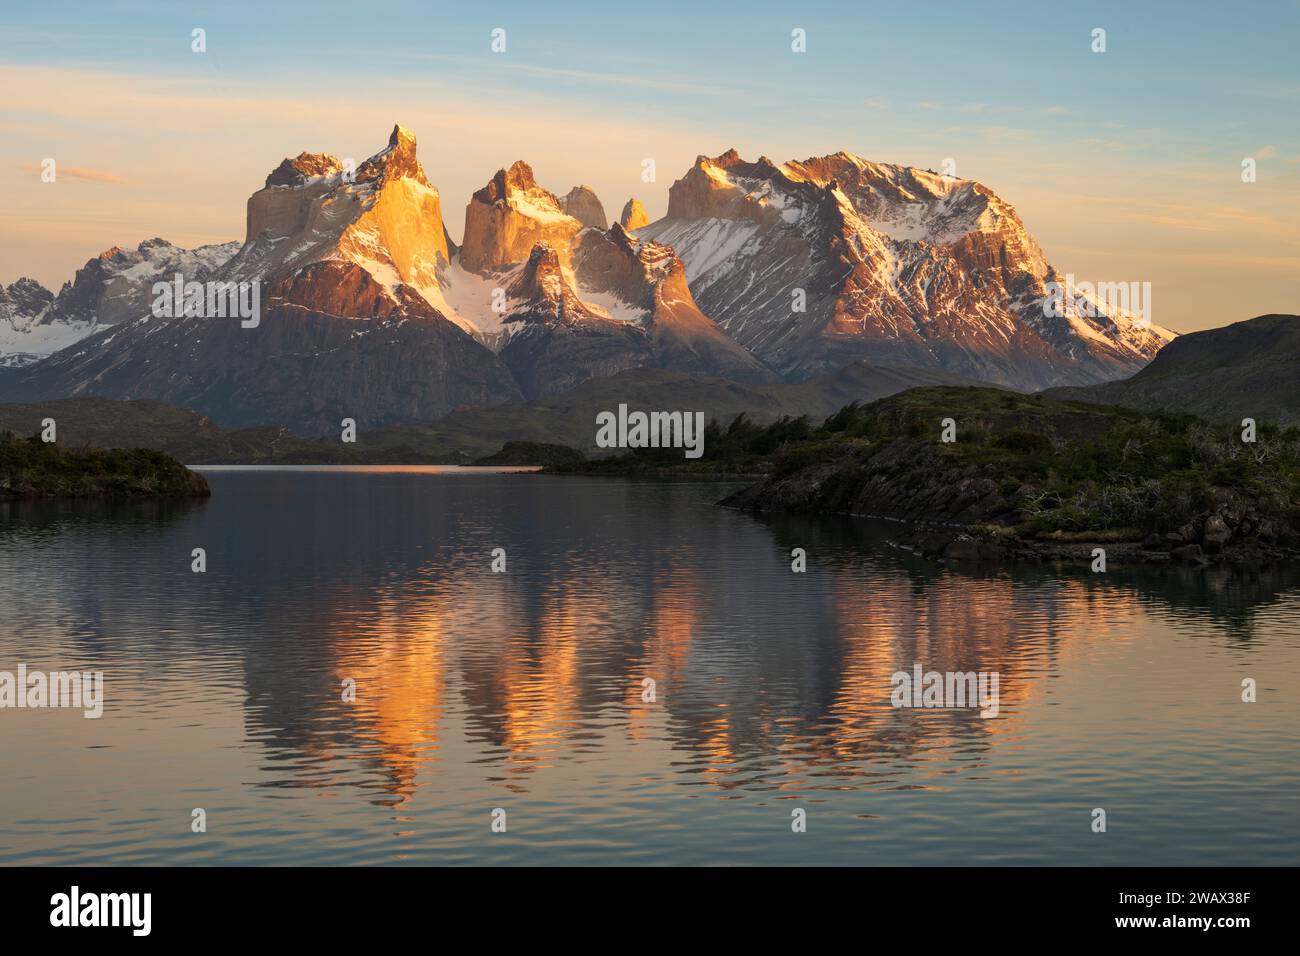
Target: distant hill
[
  {"x": 465, "y": 435},
  {"x": 193, "y": 438},
  {"x": 1250, "y": 369}
]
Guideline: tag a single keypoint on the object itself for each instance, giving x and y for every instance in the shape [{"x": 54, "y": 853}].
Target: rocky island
[{"x": 31, "y": 468}]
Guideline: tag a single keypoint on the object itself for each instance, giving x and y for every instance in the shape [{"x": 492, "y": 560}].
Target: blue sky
[{"x": 1125, "y": 165}]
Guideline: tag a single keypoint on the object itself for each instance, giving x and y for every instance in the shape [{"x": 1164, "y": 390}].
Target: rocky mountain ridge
[
  {"x": 861, "y": 260},
  {"x": 371, "y": 311}
]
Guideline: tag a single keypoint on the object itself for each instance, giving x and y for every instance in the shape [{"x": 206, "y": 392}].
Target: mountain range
[
  {"x": 895, "y": 265},
  {"x": 35, "y": 322},
  {"x": 759, "y": 273}
]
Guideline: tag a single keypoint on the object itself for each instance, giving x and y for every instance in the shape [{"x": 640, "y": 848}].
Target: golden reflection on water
[
  {"x": 666, "y": 654},
  {"x": 399, "y": 681},
  {"x": 562, "y": 674},
  {"x": 474, "y": 689},
  {"x": 540, "y": 687}
]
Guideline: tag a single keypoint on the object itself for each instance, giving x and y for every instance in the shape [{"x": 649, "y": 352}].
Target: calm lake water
[{"x": 524, "y": 691}]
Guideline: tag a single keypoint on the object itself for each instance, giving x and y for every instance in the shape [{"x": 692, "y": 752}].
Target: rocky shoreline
[
  {"x": 963, "y": 545},
  {"x": 950, "y": 511}
]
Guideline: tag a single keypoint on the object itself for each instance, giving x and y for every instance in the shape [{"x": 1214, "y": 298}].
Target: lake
[{"x": 526, "y": 691}]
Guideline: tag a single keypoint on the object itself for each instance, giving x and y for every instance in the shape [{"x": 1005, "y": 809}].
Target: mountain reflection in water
[{"x": 526, "y": 690}]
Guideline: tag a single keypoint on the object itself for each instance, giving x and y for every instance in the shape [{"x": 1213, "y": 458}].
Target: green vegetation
[
  {"x": 533, "y": 453},
  {"x": 1032, "y": 466},
  {"x": 1072, "y": 468},
  {"x": 741, "y": 448},
  {"x": 31, "y": 468}
]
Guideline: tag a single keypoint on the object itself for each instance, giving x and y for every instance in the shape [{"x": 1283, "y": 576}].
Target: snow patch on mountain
[
  {"x": 816, "y": 262},
  {"x": 709, "y": 248},
  {"x": 612, "y": 306},
  {"x": 113, "y": 287}
]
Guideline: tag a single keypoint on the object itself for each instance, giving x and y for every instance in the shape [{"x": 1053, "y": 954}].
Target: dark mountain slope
[{"x": 1249, "y": 369}]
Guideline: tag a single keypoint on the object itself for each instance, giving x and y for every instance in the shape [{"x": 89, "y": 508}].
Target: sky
[{"x": 1125, "y": 165}]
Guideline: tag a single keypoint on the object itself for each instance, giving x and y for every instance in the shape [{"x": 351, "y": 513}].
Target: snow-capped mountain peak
[
  {"x": 317, "y": 212},
  {"x": 799, "y": 267},
  {"x": 818, "y": 262},
  {"x": 114, "y": 286}
]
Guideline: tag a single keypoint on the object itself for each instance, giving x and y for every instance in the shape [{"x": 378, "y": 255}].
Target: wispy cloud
[
  {"x": 463, "y": 65},
  {"x": 84, "y": 173},
  {"x": 616, "y": 79}
]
